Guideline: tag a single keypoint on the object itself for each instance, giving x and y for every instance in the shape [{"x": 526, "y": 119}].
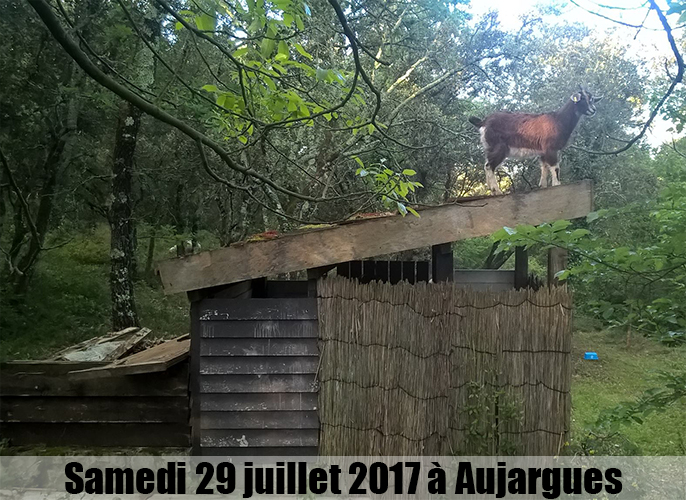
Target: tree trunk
[
  {"x": 42, "y": 218},
  {"x": 151, "y": 254},
  {"x": 122, "y": 225}
]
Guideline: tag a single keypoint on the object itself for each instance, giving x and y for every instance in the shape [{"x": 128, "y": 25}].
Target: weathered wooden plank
[
  {"x": 259, "y": 347},
  {"x": 173, "y": 382},
  {"x": 94, "y": 409},
  {"x": 259, "y": 438},
  {"x": 258, "y": 365},
  {"x": 409, "y": 274},
  {"x": 259, "y": 402},
  {"x": 367, "y": 238},
  {"x": 97, "y": 435},
  {"x": 485, "y": 279},
  {"x": 257, "y": 383},
  {"x": 104, "y": 348},
  {"x": 258, "y": 309},
  {"x": 156, "y": 359},
  {"x": 297, "y": 329},
  {"x": 396, "y": 272},
  {"x": 259, "y": 420},
  {"x": 284, "y": 451},
  {"x": 286, "y": 289},
  {"x": 485, "y": 276},
  {"x": 46, "y": 367}
]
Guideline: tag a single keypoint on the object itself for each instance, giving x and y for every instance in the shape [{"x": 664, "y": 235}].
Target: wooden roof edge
[{"x": 462, "y": 218}]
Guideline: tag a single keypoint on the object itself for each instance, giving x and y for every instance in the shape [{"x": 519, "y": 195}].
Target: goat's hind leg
[
  {"x": 493, "y": 159},
  {"x": 543, "y": 183},
  {"x": 550, "y": 163}
]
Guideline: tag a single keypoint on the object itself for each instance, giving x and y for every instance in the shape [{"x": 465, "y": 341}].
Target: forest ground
[{"x": 70, "y": 302}]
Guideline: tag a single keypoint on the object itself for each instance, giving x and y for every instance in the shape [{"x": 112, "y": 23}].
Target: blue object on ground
[{"x": 591, "y": 355}]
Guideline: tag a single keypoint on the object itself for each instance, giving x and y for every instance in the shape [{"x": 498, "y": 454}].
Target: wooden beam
[
  {"x": 367, "y": 238},
  {"x": 442, "y": 262},
  {"x": 557, "y": 261},
  {"x": 521, "y": 268}
]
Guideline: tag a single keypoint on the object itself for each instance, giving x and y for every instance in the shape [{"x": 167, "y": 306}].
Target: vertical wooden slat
[
  {"x": 368, "y": 271},
  {"x": 259, "y": 288},
  {"x": 395, "y": 271},
  {"x": 408, "y": 272},
  {"x": 381, "y": 271},
  {"x": 442, "y": 262},
  {"x": 343, "y": 269},
  {"x": 521, "y": 268},
  {"x": 557, "y": 261},
  {"x": 194, "y": 382},
  {"x": 356, "y": 269},
  {"x": 423, "y": 271}
]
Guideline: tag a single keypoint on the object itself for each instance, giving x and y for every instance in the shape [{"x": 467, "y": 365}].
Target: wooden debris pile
[{"x": 127, "y": 352}]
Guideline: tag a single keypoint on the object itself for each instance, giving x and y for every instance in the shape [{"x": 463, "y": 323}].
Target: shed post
[
  {"x": 521, "y": 278},
  {"x": 195, "y": 296},
  {"x": 557, "y": 261},
  {"x": 442, "y": 262}
]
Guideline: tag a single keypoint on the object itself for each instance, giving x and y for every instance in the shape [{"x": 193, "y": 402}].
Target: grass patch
[
  {"x": 622, "y": 374},
  {"x": 68, "y": 300}
]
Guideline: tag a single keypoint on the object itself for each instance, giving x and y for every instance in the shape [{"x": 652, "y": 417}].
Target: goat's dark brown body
[{"x": 521, "y": 135}]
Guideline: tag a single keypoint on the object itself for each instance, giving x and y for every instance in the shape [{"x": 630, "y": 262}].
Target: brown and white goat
[{"x": 523, "y": 135}]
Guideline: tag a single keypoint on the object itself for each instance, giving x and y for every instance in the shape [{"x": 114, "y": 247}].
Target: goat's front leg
[
  {"x": 555, "y": 174},
  {"x": 543, "y": 183},
  {"x": 491, "y": 179}
]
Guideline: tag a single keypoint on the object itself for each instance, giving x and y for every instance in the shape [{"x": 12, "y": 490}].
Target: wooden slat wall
[
  {"x": 255, "y": 391},
  {"x": 495, "y": 280},
  {"x": 41, "y": 404}
]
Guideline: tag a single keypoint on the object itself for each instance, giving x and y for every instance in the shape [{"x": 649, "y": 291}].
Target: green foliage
[
  {"x": 619, "y": 379},
  {"x": 677, "y": 7},
  {"x": 654, "y": 400},
  {"x": 648, "y": 274},
  {"x": 484, "y": 434},
  {"x": 392, "y": 187},
  {"x": 70, "y": 298}
]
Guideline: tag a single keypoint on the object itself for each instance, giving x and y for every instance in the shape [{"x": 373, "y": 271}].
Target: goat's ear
[
  {"x": 576, "y": 97},
  {"x": 598, "y": 99}
]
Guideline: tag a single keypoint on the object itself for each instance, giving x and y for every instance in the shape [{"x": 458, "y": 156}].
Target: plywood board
[
  {"x": 155, "y": 359},
  {"x": 106, "y": 348}
]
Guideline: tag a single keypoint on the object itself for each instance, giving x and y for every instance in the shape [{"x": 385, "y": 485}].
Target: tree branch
[
  {"x": 52, "y": 23},
  {"x": 22, "y": 200},
  {"x": 656, "y": 109}
]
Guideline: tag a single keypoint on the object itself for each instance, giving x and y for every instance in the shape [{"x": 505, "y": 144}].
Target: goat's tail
[{"x": 477, "y": 122}]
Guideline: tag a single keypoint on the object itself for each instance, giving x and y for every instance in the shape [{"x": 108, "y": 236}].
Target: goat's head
[{"x": 584, "y": 102}]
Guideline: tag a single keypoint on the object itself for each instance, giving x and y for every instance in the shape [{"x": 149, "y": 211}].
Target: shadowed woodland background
[{"x": 264, "y": 116}]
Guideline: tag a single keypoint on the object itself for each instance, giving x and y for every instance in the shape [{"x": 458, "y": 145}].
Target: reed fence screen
[{"x": 433, "y": 369}]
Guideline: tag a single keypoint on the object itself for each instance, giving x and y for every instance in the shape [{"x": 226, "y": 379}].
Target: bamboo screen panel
[{"x": 433, "y": 369}]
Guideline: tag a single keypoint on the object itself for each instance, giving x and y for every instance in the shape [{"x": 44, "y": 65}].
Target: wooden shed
[{"x": 254, "y": 339}]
